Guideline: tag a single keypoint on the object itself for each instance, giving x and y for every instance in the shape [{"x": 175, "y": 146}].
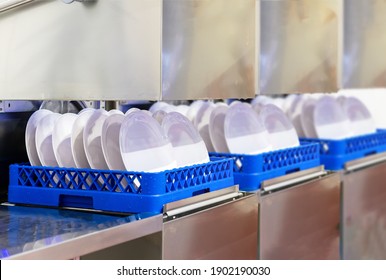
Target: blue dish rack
[
  {"x": 115, "y": 191},
  {"x": 251, "y": 170},
  {"x": 334, "y": 154}
]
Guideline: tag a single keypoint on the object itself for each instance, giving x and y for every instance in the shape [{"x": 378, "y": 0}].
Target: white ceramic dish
[
  {"x": 61, "y": 140},
  {"x": 307, "y": 118},
  {"x": 330, "y": 120},
  {"x": 92, "y": 139},
  {"x": 110, "y": 141},
  {"x": 188, "y": 146},
  {"x": 43, "y": 138},
  {"x": 216, "y": 129},
  {"x": 77, "y": 146},
  {"x": 143, "y": 144},
  {"x": 282, "y": 133},
  {"x": 361, "y": 121},
  {"x": 159, "y": 116},
  {"x": 193, "y": 109},
  {"x": 30, "y": 133},
  {"x": 244, "y": 132}
]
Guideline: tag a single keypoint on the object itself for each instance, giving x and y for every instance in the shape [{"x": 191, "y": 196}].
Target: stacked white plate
[
  {"x": 244, "y": 132},
  {"x": 281, "y": 132},
  {"x": 143, "y": 144},
  {"x": 188, "y": 146}
]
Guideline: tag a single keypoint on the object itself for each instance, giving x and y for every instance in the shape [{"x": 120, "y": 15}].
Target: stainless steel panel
[
  {"x": 227, "y": 231},
  {"x": 364, "y": 62},
  {"x": 128, "y": 50},
  {"x": 302, "y": 221},
  {"x": 41, "y": 233},
  {"x": 299, "y": 46},
  {"x": 208, "y": 49},
  {"x": 364, "y": 213},
  {"x": 97, "y": 50}
]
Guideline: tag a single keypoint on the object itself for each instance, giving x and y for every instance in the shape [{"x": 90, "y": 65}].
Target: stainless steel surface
[
  {"x": 301, "y": 222},
  {"x": 103, "y": 50},
  {"x": 208, "y": 49},
  {"x": 128, "y": 50},
  {"x": 365, "y": 162},
  {"x": 292, "y": 179},
  {"x": 364, "y": 62},
  {"x": 364, "y": 213},
  {"x": 226, "y": 231},
  {"x": 299, "y": 46},
  {"x": 36, "y": 233}
]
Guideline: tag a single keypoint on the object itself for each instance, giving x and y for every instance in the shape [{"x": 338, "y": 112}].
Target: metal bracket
[
  {"x": 292, "y": 179},
  {"x": 179, "y": 208},
  {"x": 365, "y": 162}
]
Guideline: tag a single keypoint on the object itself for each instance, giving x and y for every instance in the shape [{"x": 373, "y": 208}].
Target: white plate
[
  {"x": 61, "y": 140},
  {"x": 257, "y": 107},
  {"x": 307, "y": 118},
  {"x": 203, "y": 117},
  {"x": 183, "y": 109},
  {"x": 216, "y": 129},
  {"x": 77, "y": 146},
  {"x": 282, "y": 133},
  {"x": 330, "y": 120},
  {"x": 30, "y": 133},
  {"x": 158, "y": 106},
  {"x": 143, "y": 144},
  {"x": 159, "y": 115},
  {"x": 43, "y": 137},
  {"x": 244, "y": 132},
  {"x": 188, "y": 146},
  {"x": 360, "y": 117},
  {"x": 193, "y": 109},
  {"x": 115, "y": 111},
  {"x": 131, "y": 110},
  {"x": 92, "y": 139},
  {"x": 110, "y": 141},
  {"x": 201, "y": 111},
  {"x": 294, "y": 114}
]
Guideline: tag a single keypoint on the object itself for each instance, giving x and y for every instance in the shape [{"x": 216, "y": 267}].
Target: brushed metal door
[
  {"x": 364, "y": 213},
  {"x": 228, "y": 231},
  {"x": 301, "y": 222}
]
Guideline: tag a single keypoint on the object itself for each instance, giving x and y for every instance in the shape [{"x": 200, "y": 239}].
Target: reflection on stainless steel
[
  {"x": 301, "y": 222},
  {"x": 299, "y": 46},
  {"x": 36, "y": 233},
  {"x": 128, "y": 50},
  {"x": 103, "y": 50},
  {"x": 208, "y": 49},
  {"x": 227, "y": 231},
  {"x": 364, "y": 62},
  {"x": 364, "y": 213}
]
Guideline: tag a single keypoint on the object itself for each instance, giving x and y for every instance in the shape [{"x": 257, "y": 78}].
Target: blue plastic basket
[
  {"x": 251, "y": 170},
  {"x": 334, "y": 154},
  {"x": 116, "y": 191}
]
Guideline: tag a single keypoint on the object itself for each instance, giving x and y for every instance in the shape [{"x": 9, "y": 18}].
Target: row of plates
[
  {"x": 324, "y": 116},
  {"x": 239, "y": 127},
  {"x": 100, "y": 139}
]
